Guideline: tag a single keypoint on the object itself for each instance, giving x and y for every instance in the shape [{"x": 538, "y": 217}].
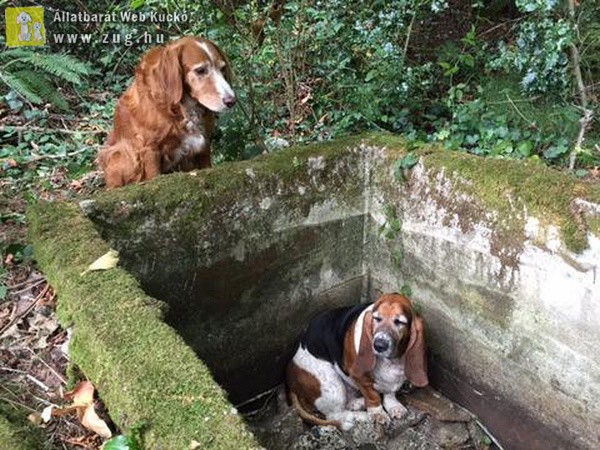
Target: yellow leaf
[
  {"x": 107, "y": 261},
  {"x": 83, "y": 404},
  {"x": 91, "y": 421}
]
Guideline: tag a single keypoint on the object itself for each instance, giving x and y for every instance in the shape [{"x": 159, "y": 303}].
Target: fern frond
[
  {"x": 43, "y": 87},
  {"x": 21, "y": 87},
  {"x": 15, "y": 53},
  {"x": 63, "y": 66}
]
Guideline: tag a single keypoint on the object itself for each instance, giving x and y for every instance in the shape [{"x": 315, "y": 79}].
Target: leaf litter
[{"x": 33, "y": 365}]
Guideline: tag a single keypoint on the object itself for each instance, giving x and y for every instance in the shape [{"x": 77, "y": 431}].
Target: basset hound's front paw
[
  {"x": 379, "y": 415},
  {"x": 398, "y": 412},
  {"x": 394, "y": 408}
]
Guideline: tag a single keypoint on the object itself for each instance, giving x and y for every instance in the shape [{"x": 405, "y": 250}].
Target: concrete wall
[
  {"x": 244, "y": 274},
  {"x": 513, "y": 315},
  {"x": 512, "y": 311}
]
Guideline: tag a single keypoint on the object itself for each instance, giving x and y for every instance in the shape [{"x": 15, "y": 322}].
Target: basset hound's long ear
[
  {"x": 415, "y": 367},
  {"x": 365, "y": 359}
]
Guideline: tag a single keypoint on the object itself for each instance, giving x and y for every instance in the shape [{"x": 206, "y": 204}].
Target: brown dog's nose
[{"x": 229, "y": 101}]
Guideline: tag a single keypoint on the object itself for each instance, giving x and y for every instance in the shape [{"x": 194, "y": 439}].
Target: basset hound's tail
[{"x": 309, "y": 417}]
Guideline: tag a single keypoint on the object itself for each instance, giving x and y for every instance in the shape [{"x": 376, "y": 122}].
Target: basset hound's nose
[
  {"x": 381, "y": 345},
  {"x": 229, "y": 101}
]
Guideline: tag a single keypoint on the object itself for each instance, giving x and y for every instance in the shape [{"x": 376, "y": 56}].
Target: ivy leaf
[
  {"x": 525, "y": 148},
  {"x": 136, "y": 4},
  {"x": 370, "y": 75},
  {"x": 409, "y": 161},
  {"x": 121, "y": 442},
  {"x": 555, "y": 151},
  {"x": 404, "y": 164}
]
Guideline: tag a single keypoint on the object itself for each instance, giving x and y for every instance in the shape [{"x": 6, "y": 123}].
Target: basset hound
[
  {"x": 165, "y": 120},
  {"x": 349, "y": 357}
]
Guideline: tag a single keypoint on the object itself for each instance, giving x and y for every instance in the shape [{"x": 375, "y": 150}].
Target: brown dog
[
  {"x": 348, "y": 357},
  {"x": 165, "y": 120}
]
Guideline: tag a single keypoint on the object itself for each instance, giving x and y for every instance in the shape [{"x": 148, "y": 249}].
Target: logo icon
[{"x": 25, "y": 26}]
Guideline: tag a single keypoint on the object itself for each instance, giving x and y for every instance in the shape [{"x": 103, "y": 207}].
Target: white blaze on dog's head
[{"x": 206, "y": 72}]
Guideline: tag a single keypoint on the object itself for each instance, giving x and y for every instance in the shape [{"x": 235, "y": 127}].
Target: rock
[
  {"x": 433, "y": 403},
  {"x": 321, "y": 438},
  {"x": 444, "y": 434},
  {"x": 412, "y": 440},
  {"x": 366, "y": 433}
]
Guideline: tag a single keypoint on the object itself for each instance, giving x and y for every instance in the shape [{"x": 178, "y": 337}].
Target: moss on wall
[
  {"x": 16, "y": 433},
  {"x": 141, "y": 367},
  {"x": 513, "y": 189}
]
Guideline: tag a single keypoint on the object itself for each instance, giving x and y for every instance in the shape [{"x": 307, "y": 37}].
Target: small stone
[
  {"x": 445, "y": 434},
  {"x": 321, "y": 438},
  {"x": 433, "y": 403}
]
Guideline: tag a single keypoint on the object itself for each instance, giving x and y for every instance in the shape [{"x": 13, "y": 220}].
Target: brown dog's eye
[
  {"x": 399, "y": 322},
  {"x": 201, "y": 71},
  {"x": 377, "y": 319}
]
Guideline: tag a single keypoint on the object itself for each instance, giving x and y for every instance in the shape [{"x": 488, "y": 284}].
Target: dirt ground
[{"x": 433, "y": 422}]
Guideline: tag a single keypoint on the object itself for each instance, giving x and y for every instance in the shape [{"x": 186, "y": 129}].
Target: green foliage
[
  {"x": 404, "y": 164},
  {"x": 540, "y": 54},
  {"x": 122, "y": 442},
  {"x": 406, "y": 290},
  {"x": 320, "y": 70},
  {"x": 34, "y": 75}
]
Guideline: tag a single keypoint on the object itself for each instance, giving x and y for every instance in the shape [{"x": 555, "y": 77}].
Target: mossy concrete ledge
[
  {"x": 143, "y": 370},
  {"x": 500, "y": 256}
]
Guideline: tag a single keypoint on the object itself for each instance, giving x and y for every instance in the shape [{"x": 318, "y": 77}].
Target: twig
[
  {"x": 531, "y": 123},
  {"x": 30, "y": 377},
  {"x": 408, "y": 33},
  {"x": 583, "y": 99},
  {"x": 27, "y": 311},
  {"x": 257, "y": 397},
  {"x": 34, "y": 284},
  {"x": 37, "y": 158},
  {"x": 24, "y": 283},
  {"x": 21, "y": 405},
  {"x": 489, "y": 434},
  {"x": 52, "y": 130},
  {"x": 584, "y": 122},
  {"x": 56, "y": 374}
]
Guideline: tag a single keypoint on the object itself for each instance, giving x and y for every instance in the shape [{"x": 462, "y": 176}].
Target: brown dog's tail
[{"x": 307, "y": 416}]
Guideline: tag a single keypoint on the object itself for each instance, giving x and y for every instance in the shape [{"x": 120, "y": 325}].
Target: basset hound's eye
[
  {"x": 399, "y": 322},
  {"x": 201, "y": 71},
  {"x": 377, "y": 319}
]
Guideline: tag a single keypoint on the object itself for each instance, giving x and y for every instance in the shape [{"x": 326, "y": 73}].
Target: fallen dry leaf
[
  {"x": 107, "y": 261},
  {"x": 83, "y": 404}
]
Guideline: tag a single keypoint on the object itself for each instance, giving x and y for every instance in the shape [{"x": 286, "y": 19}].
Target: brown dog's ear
[
  {"x": 170, "y": 73},
  {"x": 365, "y": 359},
  {"x": 160, "y": 72},
  {"x": 227, "y": 74},
  {"x": 415, "y": 367}
]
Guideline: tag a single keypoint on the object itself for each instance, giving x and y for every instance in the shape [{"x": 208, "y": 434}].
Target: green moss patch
[
  {"x": 142, "y": 369},
  {"x": 512, "y": 188},
  {"x": 507, "y": 186},
  {"x": 16, "y": 433}
]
